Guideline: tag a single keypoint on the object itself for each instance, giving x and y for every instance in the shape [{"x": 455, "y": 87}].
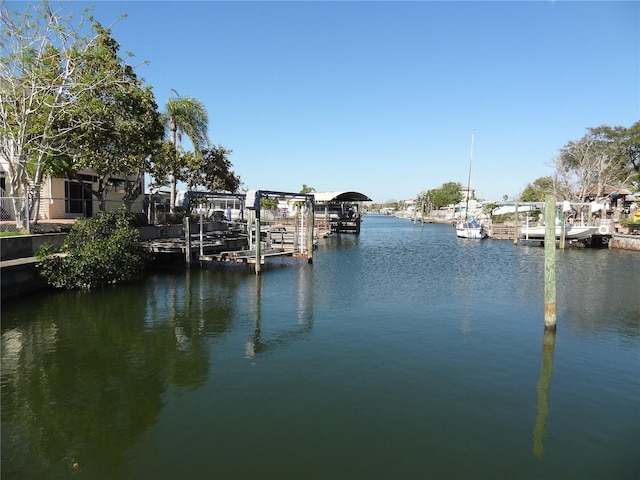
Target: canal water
[{"x": 402, "y": 353}]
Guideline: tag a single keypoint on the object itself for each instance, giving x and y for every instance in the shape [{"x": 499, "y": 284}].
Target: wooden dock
[
  {"x": 346, "y": 225},
  {"x": 502, "y": 232},
  {"x": 246, "y": 256}
]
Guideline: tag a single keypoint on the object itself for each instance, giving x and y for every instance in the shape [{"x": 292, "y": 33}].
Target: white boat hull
[
  {"x": 572, "y": 232},
  {"x": 464, "y": 230}
]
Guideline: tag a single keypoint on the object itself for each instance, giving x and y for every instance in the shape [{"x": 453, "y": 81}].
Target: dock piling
[
  {"x": 550, "y": 263},
  {"x": 516, "y": 226}
]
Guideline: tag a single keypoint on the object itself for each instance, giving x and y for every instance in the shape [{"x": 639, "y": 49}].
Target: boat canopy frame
[{"x": 192, "y": 195}]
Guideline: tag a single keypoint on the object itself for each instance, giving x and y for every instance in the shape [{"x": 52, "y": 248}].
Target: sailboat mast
[{"x": 466, "y": 211}]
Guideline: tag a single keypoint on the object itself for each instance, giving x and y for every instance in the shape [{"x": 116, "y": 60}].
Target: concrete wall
[
  {"x": 23, "y": 246},
  {"x": 18, "y": 277},
  {"x": 625, "y": 242}
]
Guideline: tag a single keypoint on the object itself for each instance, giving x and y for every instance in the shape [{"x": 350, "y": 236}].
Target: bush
[{"x": 96, "y": 252}]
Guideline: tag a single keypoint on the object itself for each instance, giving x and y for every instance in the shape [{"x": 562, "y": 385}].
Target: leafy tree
[
  {"x": 604, "y": 156},
  {"x": 95, "y": 252},
  {"x": 448, "y": 194},
  {"x": 130, "y": 125},
  {"x": 624, "y": 147},
  {"x": 629, "y": 142},
  {"x": 538, "y": 190},
  {"x": 42, "y": 52},
  {"x": 166, "y": 160},
  {"x": 307, "y": 189},
  {"x": 212, "y": 170},
  {"x": 188, "y": 116},
  {"x": 489, "y": 208},
  {"x": 423, "y": 202},
  {"x": 269, "y": 203}
]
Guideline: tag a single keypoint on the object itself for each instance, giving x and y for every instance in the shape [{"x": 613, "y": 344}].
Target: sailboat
[{"x": 470, "y": 228}]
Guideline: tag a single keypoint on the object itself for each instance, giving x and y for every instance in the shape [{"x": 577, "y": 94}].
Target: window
[{"x": 77, "y": 199}]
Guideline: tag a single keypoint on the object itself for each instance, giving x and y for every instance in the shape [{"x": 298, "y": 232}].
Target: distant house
[{"x": 467, "y": 194}]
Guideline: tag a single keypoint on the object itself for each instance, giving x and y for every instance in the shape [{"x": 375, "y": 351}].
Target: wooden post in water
[
  {"x": 550, "y": 263},
  {"x": 516, "y": 226},
  {"x": 311, "y": 221},
  {"x": 258, "y": 243}
]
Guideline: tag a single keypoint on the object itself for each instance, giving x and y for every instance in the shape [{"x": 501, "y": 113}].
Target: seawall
[{"x": 625, "y": 242}]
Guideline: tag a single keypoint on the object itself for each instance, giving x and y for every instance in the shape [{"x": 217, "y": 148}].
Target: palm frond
[{"x": 190, "y": 117}]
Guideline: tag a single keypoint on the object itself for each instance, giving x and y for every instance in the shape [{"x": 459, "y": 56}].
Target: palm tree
[
  {"x": 186, "y": 116},
  {"x": 307, "y": 189}
]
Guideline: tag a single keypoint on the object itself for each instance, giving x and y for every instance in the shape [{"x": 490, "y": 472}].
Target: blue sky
[{"x": 382, "y": 97}]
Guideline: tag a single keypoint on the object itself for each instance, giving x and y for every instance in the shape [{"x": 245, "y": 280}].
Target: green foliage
[
  {"x": 188, "y": 116},
  {"x": 116, "y": 122},
  {"x": 212, "y": 170},
  {"x": 268, "y": 203},
  {"x": 448, "y": 194},
  {"x": 538, "y": 190},
  {"x": 489, "y": 208},
  {"x": 96, "y": 252},
  {"x": 626, "y": 221},
  {"x": 622, "y": 146}
]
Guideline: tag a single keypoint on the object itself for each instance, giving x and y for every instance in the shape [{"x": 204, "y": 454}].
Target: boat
[
  {"x": 470, "y": 228},
  {"x": 572, "y": 232}
]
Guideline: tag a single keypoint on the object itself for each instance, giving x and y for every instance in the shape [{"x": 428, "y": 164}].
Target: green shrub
[{"x": 96, "y": 252}]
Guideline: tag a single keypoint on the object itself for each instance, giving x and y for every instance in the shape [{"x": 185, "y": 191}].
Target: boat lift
[
  {"x": 270, "y": 241},
  {"x": 258, "y": 248}
]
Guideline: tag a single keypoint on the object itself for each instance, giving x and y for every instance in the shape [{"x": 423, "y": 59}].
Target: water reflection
[
  {"x": 84, "y": 375},
  {"x": 544, "y": 387},
  {"x": 305, "y": 294},
  {"x": 81, "y": 383}
]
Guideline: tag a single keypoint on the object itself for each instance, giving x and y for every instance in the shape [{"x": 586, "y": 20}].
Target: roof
[
  {"x": 609, "y": 189},
  {"x": 328, "y": 197}
]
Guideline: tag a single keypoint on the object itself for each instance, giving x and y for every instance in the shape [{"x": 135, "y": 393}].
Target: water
[{"x": 401, "y": 353}]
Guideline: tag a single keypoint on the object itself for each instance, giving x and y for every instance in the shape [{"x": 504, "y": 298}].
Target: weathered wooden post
[
  {"x": 516, "y": 226},
  {"x": 310, "y": 227},
  {"x": 258, "y": 243},
  {"x": 250, "y": 222},
  {"x": 252, "y": 203},
  {"x": 201, "y": 213},
  {"x": 550, "y": 263}
]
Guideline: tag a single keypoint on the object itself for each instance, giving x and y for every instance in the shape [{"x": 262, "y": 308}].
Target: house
[{"x": 61, "y": 198}]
